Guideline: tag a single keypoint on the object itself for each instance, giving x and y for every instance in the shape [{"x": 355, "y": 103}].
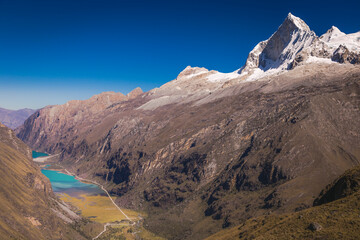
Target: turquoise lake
[
  {"x": 38, "y": 154},
  {"x": 63, "y": 183}
]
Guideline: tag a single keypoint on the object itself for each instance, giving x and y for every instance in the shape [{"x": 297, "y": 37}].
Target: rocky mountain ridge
[{"x": 59, "y": 120}]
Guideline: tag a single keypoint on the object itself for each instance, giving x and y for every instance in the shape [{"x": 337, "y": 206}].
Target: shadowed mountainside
[{"x": 347, "y": 184}]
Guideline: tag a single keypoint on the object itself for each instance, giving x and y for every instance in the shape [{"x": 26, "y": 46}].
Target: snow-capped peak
[
  {"x": 279, "y": 51},
  {"x": 334, "y": 29},
  {"x": 332, "y": 33},
  {"x": 333, "y": 38},
  {"x": 293, "y": 44},
  {"x": 299, "y": 23}
]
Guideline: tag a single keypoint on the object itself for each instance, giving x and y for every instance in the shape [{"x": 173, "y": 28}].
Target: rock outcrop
[
  {"x": 345, "y": 185},
  {"x": 343, "y": 55},
  {"x": 134, "y": 93}
]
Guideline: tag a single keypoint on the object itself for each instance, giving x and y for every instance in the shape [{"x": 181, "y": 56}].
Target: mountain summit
[
  {"x": 332, "y": 33},
  {"x": 298, "y": 22},
  {"x": 295, "y": 42},
  {"x": 280, "y": 50},
  {"x": 291, "y": 45},
  {"x": 291, "y": 37}
]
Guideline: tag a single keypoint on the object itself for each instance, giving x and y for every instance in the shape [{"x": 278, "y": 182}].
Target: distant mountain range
[
  {"x": 14, "y": 118},
  {"x": 208, "y": 150}
]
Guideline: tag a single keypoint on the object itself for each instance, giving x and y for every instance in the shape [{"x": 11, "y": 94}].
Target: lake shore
[
  {"x": 95, "y": 206},
  {"x": 43, "y": 159}
]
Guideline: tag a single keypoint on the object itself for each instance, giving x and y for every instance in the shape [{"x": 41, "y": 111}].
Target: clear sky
[{"x": 52, "y": 51}]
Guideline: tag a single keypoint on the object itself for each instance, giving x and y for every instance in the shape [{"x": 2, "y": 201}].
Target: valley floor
[{"x": 118, "y": 223}]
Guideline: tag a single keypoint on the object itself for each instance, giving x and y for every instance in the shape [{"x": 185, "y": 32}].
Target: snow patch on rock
[
  {"x": 222, "y": 77},
  {"x": 313, "y": 59}
]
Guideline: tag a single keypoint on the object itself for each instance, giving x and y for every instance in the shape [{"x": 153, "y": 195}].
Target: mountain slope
[
  {"x": 275, "y": 144},
  {"x": 59, "y": 121},
  {"x": 14, "y": 118},
  {"x": 209, "y": 150},
  {"x": 338, "y": 219},
  {"x": 28, "y": 207}
]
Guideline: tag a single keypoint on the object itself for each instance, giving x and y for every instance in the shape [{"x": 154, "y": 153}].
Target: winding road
[
  {"x": 102, "y": 187},
  {"x": 105, "y": 228}
]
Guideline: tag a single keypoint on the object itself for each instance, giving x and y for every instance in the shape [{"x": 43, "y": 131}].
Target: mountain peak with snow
[
  {"x": 291, "y": 45},
  {"x": 279, "y": 51},
  {"x": 332, "y": 33},
  {"x": 298, "y": 22},
  {"x": 335, "y": 29}
]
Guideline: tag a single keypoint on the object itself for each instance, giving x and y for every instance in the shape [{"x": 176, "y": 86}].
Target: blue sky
[{"x": 52, "y": 51}]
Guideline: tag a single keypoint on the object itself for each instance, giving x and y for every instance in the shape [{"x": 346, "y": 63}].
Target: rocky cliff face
[{"x": 208, "y": 150}]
